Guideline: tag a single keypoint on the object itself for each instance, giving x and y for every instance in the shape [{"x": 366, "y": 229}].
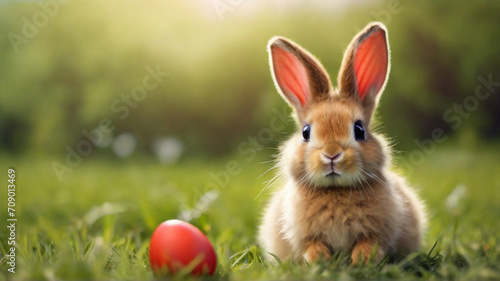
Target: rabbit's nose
[
  {"x": 335, "y": 158},
  {"x": 332, "y": 152}
]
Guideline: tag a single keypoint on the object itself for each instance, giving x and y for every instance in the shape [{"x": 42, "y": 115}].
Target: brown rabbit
[{"x": 339, "y": 193}]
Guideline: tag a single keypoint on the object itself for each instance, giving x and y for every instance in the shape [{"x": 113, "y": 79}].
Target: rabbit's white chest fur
[{"x": 303, "y": 220}]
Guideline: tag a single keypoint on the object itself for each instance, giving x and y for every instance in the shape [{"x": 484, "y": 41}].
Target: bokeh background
[
  {"x": 67, "y": 66},
  {"x": 65, "y": 78}
]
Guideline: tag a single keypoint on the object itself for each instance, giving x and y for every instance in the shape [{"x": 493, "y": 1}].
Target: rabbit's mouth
[
  {"x": 332, "y": 174},
  {"x": 332, "y": 171}
]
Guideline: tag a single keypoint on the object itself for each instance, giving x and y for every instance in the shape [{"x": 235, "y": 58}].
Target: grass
[{"x": 97, "y": 223}]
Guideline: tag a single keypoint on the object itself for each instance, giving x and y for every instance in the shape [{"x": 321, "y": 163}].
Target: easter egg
[{"x": 177, "y": 245}]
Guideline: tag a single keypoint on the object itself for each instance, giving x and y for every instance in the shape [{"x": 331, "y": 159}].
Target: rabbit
[{"x": 338, "y": 193}]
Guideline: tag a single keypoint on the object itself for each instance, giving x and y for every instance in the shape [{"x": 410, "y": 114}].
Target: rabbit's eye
[
  {"x": 359, "y": 131},
  {"x": 306, "y": 132}
]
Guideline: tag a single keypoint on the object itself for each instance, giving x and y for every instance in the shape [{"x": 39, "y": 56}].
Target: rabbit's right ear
[
  {"x": 365, "y": 67},
  {"x": 298, "y": 75}
]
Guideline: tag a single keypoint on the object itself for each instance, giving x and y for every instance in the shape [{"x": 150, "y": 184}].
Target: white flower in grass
[
  {"x": 168, "y": 150},
  {"x": 124, "y": 145}
]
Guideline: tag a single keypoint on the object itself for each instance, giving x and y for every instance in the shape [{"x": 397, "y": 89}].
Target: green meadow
[
  {"x": 119, "y": 115},
  {"x": 98, "y": 222}
]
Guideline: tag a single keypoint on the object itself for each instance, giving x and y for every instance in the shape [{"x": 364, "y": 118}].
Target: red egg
[{"x": 176, "y": 244}]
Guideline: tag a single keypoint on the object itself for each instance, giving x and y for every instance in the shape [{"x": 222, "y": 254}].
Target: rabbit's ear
[
  {"x": 365, "y": 67},
  {"x": 298, "y": 75}
]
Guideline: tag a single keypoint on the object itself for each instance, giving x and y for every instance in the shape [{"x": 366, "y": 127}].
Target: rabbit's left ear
[{"x": 365, "y": 66}]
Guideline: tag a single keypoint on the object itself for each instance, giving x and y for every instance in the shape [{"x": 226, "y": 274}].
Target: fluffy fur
[{"x": 339, "y": 193}]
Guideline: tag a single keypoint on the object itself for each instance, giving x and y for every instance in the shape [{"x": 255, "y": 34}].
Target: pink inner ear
[
  {"x": 370, "y": 63},
  {"x": 290, "y": 74}
]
